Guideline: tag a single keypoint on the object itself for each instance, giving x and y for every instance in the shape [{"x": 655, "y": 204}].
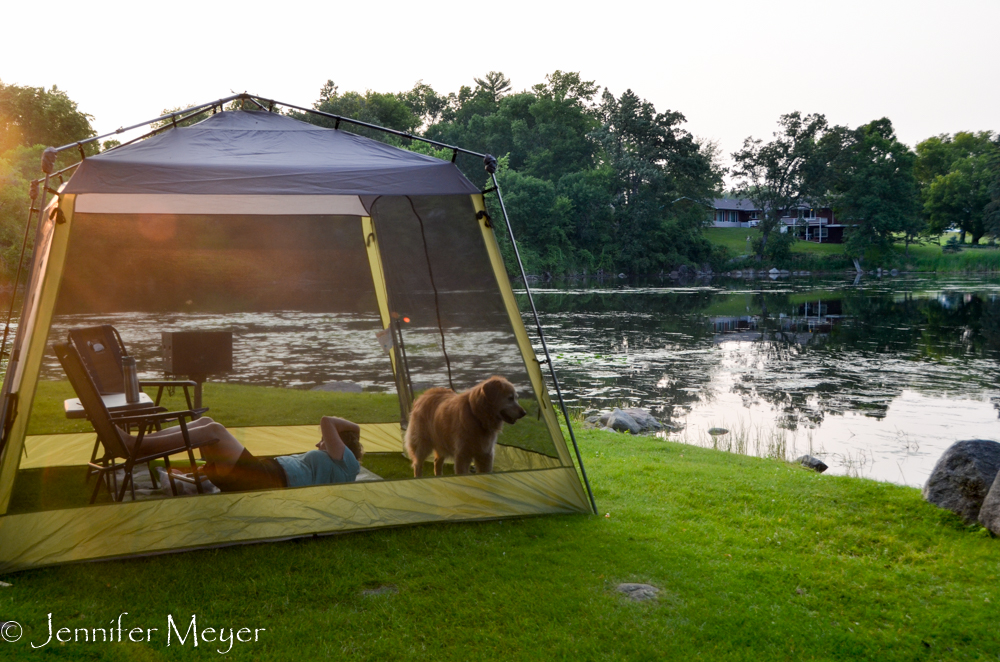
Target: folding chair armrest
[{"x": 141, "y": 411}]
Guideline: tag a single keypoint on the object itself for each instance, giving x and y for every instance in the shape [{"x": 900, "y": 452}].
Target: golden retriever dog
[{"x": 463, "y": 425}]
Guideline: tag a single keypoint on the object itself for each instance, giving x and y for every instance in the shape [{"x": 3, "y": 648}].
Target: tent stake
[{"x": 538, "y": 327}]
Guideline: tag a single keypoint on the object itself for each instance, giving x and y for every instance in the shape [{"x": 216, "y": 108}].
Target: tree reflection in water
[{"x": 800, "y": 352}]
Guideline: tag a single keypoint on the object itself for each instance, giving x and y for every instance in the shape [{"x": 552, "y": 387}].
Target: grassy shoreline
[
  {"x": 828, "y": 257},
  {"x": 755, "y": 559}
]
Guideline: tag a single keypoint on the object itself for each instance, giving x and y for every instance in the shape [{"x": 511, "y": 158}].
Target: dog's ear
[
  {"x": 484, "y": 398},
  {"x": 482, "y": 405},
  {"x": 496, "y": 388}
]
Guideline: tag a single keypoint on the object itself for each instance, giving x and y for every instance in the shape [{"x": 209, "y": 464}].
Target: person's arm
[
  {"x": 342, "y": 424},
  {"x": 331, "y": 442}
]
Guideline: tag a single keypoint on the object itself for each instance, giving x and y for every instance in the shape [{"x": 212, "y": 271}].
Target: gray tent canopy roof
[{"x": 248, "y": 152}]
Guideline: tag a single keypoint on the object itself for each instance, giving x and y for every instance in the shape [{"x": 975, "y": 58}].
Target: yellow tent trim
[
  {"x": 123, "y": 529},
  {"x": 57, "y": 234},
  {"x": 375, "y": 262},
  {"x": 523, "y": 342}
]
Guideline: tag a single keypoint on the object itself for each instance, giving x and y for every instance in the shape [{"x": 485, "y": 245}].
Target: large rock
[
  {"x": 644, "y": 419},
  {"x": 338, "y": 387},
  {"x": 963, "y": 477},
  {"x": 622, "y": 422},
  {"x": 989, "y": 514}
]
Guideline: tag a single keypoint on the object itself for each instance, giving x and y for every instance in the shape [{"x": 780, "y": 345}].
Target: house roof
[
  {"x": 744, "y": 204},
  {"x": 738, "y": 204}
]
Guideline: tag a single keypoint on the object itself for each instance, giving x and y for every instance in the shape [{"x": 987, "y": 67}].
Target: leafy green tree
[
  {"x": 784, "y": 174},
  {"x": 960, "y": 198},
  {"x": 873, "y": 187},
  {"x": 654, "y": 162},
  {"x": 956, "y": 174},
  {"x": 424, "y": 102},
  {"x": 589, "y": 184},
  {"x": 993, "y": 208},
  {"x": 32, "y": 118},
  {"x": 557, "y": 141},
  {"x": 494, "y": 86}
]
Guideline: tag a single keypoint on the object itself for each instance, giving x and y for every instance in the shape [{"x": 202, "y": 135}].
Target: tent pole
[
  {"x": 193, "y": 110},
  {"x": 367, "y": 125},
  {"x": 541, "y": 334},
  {"x": 8, "y": 405}
]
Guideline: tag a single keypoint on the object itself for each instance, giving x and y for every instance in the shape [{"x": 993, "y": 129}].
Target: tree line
[
  {"x": 597, "y": 182},
  {"x": 888, "y": 192}
]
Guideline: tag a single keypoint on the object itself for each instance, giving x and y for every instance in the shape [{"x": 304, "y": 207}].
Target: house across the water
[{"x": 811, "y": 223}]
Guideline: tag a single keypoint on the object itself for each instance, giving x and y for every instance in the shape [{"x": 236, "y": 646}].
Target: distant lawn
[
  {"x": 755, "y": 559},
  {"x": 735, "y": 239},
  {"x": 923, "y": 257}
]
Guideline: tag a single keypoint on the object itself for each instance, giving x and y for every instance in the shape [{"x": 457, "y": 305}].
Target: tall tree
[
  {"x": 956, "y": 174},
  {"x": 993, "y": 208},
  {"x": 394, "y": 111},
  {"x": 32, "y": 116},
  {"x": 557, "y": 141},
  {"x": 784, "y": 174},
  {"x": 654, "y": 162},
  {"x": 873, "y": 186},
  {"x": 493, "y": 86}
]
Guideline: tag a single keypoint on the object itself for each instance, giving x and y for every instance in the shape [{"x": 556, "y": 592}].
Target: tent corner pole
[
  {"x": 541, "y": 336},
  {"x": 7, "y": 406}
]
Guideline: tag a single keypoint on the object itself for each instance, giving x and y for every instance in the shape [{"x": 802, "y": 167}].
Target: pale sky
[{"x": 730, "y": 67}]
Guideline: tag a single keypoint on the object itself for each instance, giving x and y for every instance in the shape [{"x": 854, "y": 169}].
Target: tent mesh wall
[{"x": 298, "y": 296}]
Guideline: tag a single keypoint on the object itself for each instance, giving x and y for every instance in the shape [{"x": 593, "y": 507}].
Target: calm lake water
[{"x": 876, "y": 377}]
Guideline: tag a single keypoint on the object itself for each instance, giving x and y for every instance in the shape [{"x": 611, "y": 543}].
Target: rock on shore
[
  {"x": 633, "y": 421},
  {"x": 963, "y": 476}
]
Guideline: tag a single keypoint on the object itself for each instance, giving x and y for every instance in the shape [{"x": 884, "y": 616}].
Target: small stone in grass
[
  {"x": 814, "y": 463},
  {"x": 381, "y": 590},
  {"x": 5, "y": 585},
  {"x": 639, "y": 592}
]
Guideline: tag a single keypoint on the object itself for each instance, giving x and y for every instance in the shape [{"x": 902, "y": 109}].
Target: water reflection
[{"x": 879, "y": 376}]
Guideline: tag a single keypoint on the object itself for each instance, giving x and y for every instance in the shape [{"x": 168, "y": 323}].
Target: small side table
[{"x": 115, "y": 402}]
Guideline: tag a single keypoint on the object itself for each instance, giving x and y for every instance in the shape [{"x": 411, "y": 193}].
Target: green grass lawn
[
  {"x": 235, "y": 405},
  {"x": 923, "y": 257},
  {"x": 755, "y": 559},
  {"x": 735, "y": 239}
]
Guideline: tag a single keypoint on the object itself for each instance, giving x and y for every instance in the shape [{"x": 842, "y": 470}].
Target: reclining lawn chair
[
  {"x": 101, "y": 349},
  {"x": 112, "y": 437}
]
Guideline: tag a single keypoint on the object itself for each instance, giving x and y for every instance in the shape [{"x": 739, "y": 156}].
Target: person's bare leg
[{"x": 220, "y": 446}]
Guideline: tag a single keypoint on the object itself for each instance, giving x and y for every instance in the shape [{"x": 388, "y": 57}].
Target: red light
[{"x": 406, "y": 319}]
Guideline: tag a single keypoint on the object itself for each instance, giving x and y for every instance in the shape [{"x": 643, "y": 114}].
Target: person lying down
[{"x": 232, "y": 468}]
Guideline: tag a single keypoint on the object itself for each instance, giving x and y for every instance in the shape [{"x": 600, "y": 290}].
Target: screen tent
[{"x": 304, "y": 243}]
